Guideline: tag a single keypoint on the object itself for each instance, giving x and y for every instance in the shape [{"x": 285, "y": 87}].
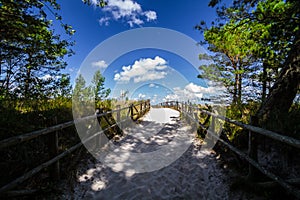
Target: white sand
[{"x": 157, "y": 159}]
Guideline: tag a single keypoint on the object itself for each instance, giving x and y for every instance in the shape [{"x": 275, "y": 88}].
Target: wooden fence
[
  {"x": 192, "y": 112},
  {"x": 134, "y": 111}
]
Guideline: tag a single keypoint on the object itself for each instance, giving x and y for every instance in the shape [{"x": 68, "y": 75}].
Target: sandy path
[{"x": 179, "y": 171}]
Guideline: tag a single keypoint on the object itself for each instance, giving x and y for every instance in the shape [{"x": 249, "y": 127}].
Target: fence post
[
  {"x": 118, "y": 107},
  {"x": 186, "y": 107},
  {"x": 141, "y": 109},
  {"x": 213, "y": 124},
  {"x": 98, "y": 137},
  {"x": 53, "y": 151},
  {"x": 196, "y": 115},
  {"x": 252, "y": 149},
  {"x": 212, "y": 128},
  {"x": 190, "y": 112},
  {"x": 180, "y": 106},
  {"x": 118, "y": 113},
  {"x": 131, "y": 111},
  {"x": 183, "y": 108}
]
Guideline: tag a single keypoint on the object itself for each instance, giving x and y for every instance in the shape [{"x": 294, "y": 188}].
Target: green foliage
[
  {"x": 106, "y": 104},
  {"x": 95, "y": 91},
  {"x": 21, "y": 116},
  {"x": 204, "y": 120},
  {"x": 242, "y": 113},
  {"x": 88, "y": 97},
  {"x": 251, "y": 41},
  {"x": 64, "y": 87},
  {"x": 31, "y": 54},
  {"x": 231, "y": 58},
  {"x": 238, "y": 112},
  {"x": 81, "y": 92},
  {"x": 34, "y": 93},
  {"x": 98, "y": 86}
]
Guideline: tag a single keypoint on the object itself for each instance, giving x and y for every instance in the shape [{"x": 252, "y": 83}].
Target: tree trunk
[
  {"x": 239, "y": 88},
  {"x": 27, "y": 80},
  {"x": 273, "y": 111},
  {"x": 264, "y": 82},
  {"x": 0, "y": 67},
  {"x": 8, "y": 76},
  {"x": 236, "y": 83}
]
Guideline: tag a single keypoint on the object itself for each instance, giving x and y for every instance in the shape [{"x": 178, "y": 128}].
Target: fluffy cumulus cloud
[
  {"x": 100, "y": 64},
  {"x": 196, "y": 89},
  {"x": 151, "y": 15},
  {"x": 127, "y": 10},
  {"x": 104, "y": 21},
  {"x": 141, "y": 96},
  {"x": 190, "y": 92},
  {"x": 152, "y": 85},
  {"x": 145, "y": 69}
]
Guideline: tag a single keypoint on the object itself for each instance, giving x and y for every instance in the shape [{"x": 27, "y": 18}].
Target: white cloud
[
  {"x": 191, "y": 92},
  {"x": 71, "y": 69},
  {"x": 151, "y": 85},
  {"x": 104, "y": 21},
  {"x": 151, "y": 75},
  {"x": 134, "y": 21},
  {"x": 141, "y": 96},
  {"x": 122, "y": 8},
  {"x": 94, "y": 2},
  {"x": 117, "y": 77},
  {"x": 101, "y": 64},
  {"x": 151, "y": 15},
  {"x": 144, "y": 69},
  {"x": 198, "y": 89},
  {"x": 127, "y": 10},
  {"x": 171, "y": 97}
]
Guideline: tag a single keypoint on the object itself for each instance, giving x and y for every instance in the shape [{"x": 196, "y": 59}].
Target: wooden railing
[
  {"x": 134, "y": 111},
  {"x": 192, "y": 113}
]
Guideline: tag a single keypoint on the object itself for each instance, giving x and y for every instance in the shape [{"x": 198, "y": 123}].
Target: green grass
[{"x": 19, "y": 117}]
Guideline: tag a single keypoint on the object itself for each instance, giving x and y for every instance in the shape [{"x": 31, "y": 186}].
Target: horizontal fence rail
[
  {"x": 134, "y": 112},
  {"x": 191, "y": 112},
  {"x": 285, "y": 139},
  {"x": 28, "y": 136}
]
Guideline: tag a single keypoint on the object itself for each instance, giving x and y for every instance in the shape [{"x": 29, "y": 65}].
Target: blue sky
[{"x": 158, "y": 74}]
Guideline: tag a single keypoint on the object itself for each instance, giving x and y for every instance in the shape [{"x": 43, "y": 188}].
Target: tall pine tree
[{"x": 31, "y": 54}]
